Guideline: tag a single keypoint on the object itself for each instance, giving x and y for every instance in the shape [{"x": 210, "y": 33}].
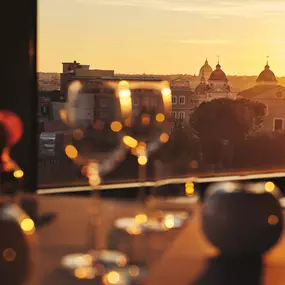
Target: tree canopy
[{"x": 227, "y": 119}]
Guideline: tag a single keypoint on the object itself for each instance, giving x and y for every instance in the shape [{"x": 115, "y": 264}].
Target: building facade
[
  {"x": 182, "y": 101},
  {"x": 272, "y": 95}
]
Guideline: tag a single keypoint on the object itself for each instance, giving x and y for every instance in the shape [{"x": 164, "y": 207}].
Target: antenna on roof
[{"x": 218, "y": 56}]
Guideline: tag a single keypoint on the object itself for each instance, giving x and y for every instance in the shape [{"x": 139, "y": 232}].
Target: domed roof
[
  {"x": 266, "y": 76},
  {"x": 206, "y": 69},
  {"x": 218, "y": 74},
  {"x": 201, "y": 88}
]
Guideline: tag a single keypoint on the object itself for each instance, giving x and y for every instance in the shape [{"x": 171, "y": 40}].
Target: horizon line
[{"x": 165, "y": 74}]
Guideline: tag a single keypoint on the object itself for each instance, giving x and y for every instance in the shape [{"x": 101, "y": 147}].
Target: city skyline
[{"x": 162, "y": 36}]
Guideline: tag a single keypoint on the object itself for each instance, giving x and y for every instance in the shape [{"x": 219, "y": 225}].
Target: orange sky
[{"x": 163, "y": 36}]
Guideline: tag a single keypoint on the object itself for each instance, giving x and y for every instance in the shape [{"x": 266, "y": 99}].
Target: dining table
[{"x": 183, "y": 257}]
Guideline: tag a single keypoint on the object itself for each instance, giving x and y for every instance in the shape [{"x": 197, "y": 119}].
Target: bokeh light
[
  {"x": 116, "y": 126},
  {"x": 71, "y": 151},
  {"x": 142, "y": 160},
  {"x": 28, "y": 225},
  {"x": 18, "y": 174}
]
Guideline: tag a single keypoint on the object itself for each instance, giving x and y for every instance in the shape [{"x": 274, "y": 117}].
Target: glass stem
[
  {"x": 94, "y": 221},
  {"x": 142, "y": 179}
]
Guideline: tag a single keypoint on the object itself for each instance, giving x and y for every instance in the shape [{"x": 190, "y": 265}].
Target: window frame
[
  {"x": 184, "y": 100},
  {"x": 174, "y": 115},
  {"x": 174, "y": 100},
  {"x": 276, "y": 119},
  {"x": 182, "y": 118}
]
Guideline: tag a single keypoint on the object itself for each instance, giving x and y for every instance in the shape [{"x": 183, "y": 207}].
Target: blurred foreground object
[
  {"x": 17, "y": 246},
  {"x": 242, "y": 219},
  {"x": 11, "y": 131}
]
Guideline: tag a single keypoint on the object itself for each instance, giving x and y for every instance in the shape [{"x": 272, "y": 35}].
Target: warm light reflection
[
  {"x": 189, "y": 188},
  {"x": 28, "y": 226},
  {"x": 78, "y": 134},
  {"x": 160, "y": 118},
  {"x": 71, "y": 151},
  {"x": 84, "y": 170},
  {"x": 134, "y": 151},
  {"x": 75, "y": 87},
  {"x": 142, "y": 160},
  {"x": 9, "y": 254},
  {"x": 167, "y": 98},
  {"x": 98, "y": 125},
  {"x": 113, "y": 277},
  {"x": 116, "y": 126},
  {"x": 141, "y": 218},
  {"x": 166, "y": 92},
  {"x": 125, "y": 93},
  {"x": 134, "y": 271},
  {"x": 145, "y": 120},
  {"x": 273, "y": 220},
  {"x": 135, "y": 230},
  {"x": 269, "y": 186},
  {"x": 8, "y": 164},
  {"x": 85, "y": 273},
  {"x": 130, "y": 142},
  {"x": 164, "y": 138},
  {"x": 128, "y": 122},
  {"x": 121, "y": 261},
  {"x": 140, "y": 149},
  {"x": 94, "y": 181},
  {"x": 63, "y": 115},
  {"x": 93, "y": 174},
  {"x": 18, "y": 174},
  {"x": 125, "y": 98},
  {"x": 169, "y": 221}
]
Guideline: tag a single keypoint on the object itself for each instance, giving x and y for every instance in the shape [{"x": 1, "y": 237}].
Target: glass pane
[{"x": 224, "y": 63}]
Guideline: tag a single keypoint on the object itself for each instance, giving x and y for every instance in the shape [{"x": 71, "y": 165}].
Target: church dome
[
  {"x": 266, "y": 76},
  {"x": 206, "y": 69},
  {"x": 201, "y": 89},
  {"x": 218, "y": 74}
]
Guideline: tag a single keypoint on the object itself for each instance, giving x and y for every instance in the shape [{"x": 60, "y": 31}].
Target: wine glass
[
  {"x": 144, "y": 130},
  {"x": 97, "y": 148},
  {"x": 148, "y": 127}
]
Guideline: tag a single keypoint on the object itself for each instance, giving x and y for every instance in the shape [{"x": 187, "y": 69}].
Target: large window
[{"x": 116, "y": 51}]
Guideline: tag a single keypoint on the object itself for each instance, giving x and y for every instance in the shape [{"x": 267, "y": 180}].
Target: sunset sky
[{"x": 163, "y": 36}]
